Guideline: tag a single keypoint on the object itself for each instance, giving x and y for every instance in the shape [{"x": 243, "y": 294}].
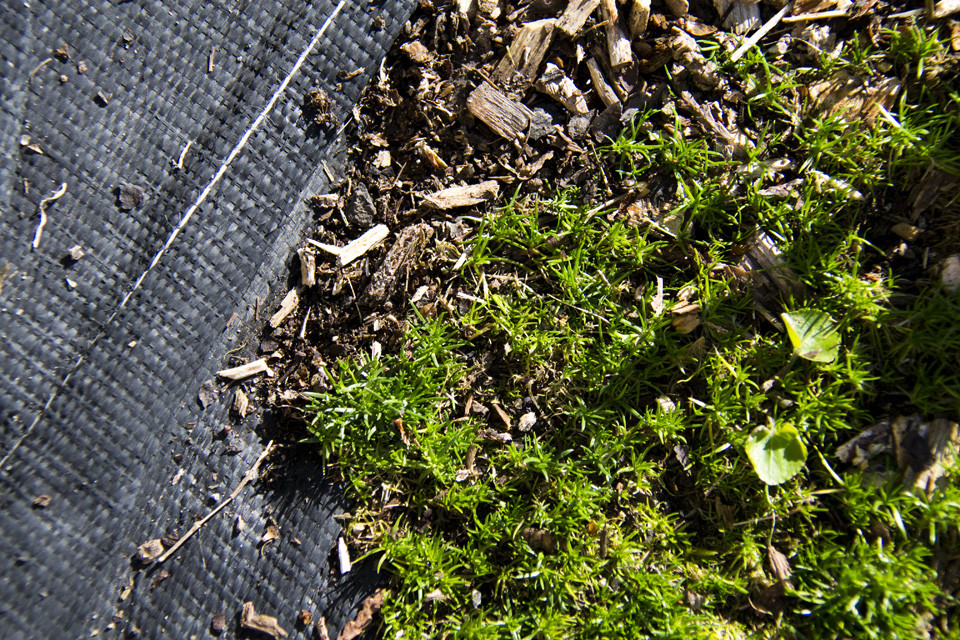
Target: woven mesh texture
[{"x": 96, "y": 394}]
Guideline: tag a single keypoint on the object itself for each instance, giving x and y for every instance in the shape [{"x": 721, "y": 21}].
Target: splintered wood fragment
[
  {"x": 575, "y": 15},
  {"x": 639, "y": 17},
  {"x": 361, "y": 245},
  {"x": 250, "y": 619},
  {"x": 852, "y": 97},
  {"x": 558, "y": 86},
  {"x": 241, "y": 403},
  {"x": 308, "y": 267},
  {"x": 618, "y": 44},
  {"x": 287, "y": 305},
  {"x": 604, "y": 90},
  {"x": 763, "y": 254},
  {"x": 526, "y": 52},
  {"x": 508, "y": 118},
  {"x": 468, "y": 196},
  {"x": 246, "y": 370}
]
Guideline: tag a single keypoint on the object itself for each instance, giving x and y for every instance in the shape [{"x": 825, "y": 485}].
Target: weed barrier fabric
[{"x": 103, "y": 357}]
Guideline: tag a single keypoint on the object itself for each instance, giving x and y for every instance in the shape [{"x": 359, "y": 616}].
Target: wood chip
[
  {"x": 949, "y": 270},
  {"x": 527, "y": 50},
  {"x": 678, "y": 8},
  {"x": 946, "y": 8},
  {"x": 149, "y": 551},
  {"x": 308, "y": 267},
  {"x": 508, "y": 118},
  {"x": 575, "y": 15},
  {"x": 42, "y": 501},
  {"x": 687, "y": 323},
  {"x": 361, "y": 245},
  {"x": 540, "y": 539},
  {"x": 250, "y": 619},
  {"x": 364, "y": 619},
  {"x": 765, "y": 259},
  {"x": 467, "y": 196},
  {"x": 343, "y": 556},
  {"x": 618, "y": 44},
  {"x": 218, "y": 624},
  {"x": 558, "y": 86},
  {"x": 320, "y": 629},
  {"x": 739, "y": 16},
  {"x": 287, "y": 305},
  {"x": 607, "y": 95},
  {"x": 241, "y": 403},
  {"x": 246, "y": 370},
  {"x": 503, "y": 415},
  {"x": 925, "y": 450},
  {"x": 639, "y": 17}
]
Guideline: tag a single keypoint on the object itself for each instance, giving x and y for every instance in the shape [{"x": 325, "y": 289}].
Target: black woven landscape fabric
[{"x": 102, "y": 357}]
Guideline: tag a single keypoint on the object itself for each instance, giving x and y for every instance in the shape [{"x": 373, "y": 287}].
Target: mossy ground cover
[{"x": 560, "y": 446}]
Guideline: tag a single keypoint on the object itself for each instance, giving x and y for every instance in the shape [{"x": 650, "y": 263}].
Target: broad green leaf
[
  {"x": 776, "y": 453},
  {"x": 813, "y": 334}
]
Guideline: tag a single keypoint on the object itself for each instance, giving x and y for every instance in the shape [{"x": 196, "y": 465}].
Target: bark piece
[
  {"x": 405, "y": 251},
  {"x": 364, "y": 618},
  {"x": 575, "y": 15},
  {"x": 287, "y": 305},
  {"x": 507, "y": 117},
  {"x": 558, "y": 86},
  {"x": 618, "y": 44},
  {"x": 246, "y": 370},
  {"x": 468, "y": 196},
  {"x": 639, "y": 17},
  {"x": 361, "y": 245},
  {"x": 604, "y": 90},
  {"x": 250, "y": 619},
  {"x": 527, "y": 50},
  {"x": 360, "y": 209}
]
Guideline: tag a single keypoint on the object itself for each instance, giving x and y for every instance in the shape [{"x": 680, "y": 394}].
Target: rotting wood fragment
[
  {"x": 287, "y": 305},
  {"x": 558, "y": 86},
  {"x": 361, "y": 245},
  {"x": 246, "y": 370},
  {"x": 467, "y": 196},
  {"x": 405, "y": 251},
  {"x": 250, "y": 619},
  {"x": 364, "y": 618},
  {"x": 507, "y": 117},
  {"x": 527, "y": 50},
  {"x": 575, "y": 16}
]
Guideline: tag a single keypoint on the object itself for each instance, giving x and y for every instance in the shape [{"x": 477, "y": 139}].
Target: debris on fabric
[
  {"x": 42, "y": 501},
  {"x": 250, "y": 619},
  {"x": 246, "y": 370},
  {"x": 287, "y": 306},
  {"x": 149, "y": 551}
]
